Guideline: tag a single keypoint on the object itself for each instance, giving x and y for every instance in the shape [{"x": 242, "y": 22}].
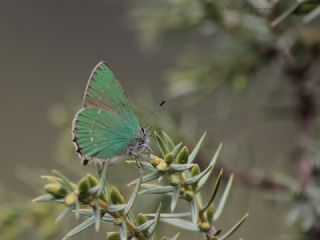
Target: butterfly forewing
[{"x": 104, "y": 91}]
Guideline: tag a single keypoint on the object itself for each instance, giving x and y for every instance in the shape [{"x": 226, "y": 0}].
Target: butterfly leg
[
  {"x": 137, "y": 159},
  {"x": 147, "y": 148}
]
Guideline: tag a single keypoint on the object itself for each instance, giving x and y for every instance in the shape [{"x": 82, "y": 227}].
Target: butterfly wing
[
  {"x": 106, "y": 126},
  {"x": 104, "y": 91},
  {"x": 101, "y": 134}
]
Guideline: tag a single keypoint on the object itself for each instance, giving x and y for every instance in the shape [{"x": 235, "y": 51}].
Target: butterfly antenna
[{"x": 149, "y": 115}]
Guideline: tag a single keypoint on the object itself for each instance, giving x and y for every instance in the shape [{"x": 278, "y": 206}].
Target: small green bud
[
  {"x": 165, "y": 238},
  {"x": 93, "y": 181},
  {"x": 168, "y": 158},
  {"x": 141, "y": 218},
  {"x": 174, "y": 179},
  {"x": 183, "y": 155},
  {"x": 70, "y": 199},
  {"x": 210, "y": 211},
  {"x": 116, "y": 196},
  {"x": 188, "y": 195},
  {"x": 161, "y": 143},
  {"x": 55, "y": 189},
  {"x": 84, "y": 186},
  {"x": 113, "y": 236},
  {"x": 117, "y": 221},
  {"x": 195, "y": 170},
  {"x": 204, "y": 227}
]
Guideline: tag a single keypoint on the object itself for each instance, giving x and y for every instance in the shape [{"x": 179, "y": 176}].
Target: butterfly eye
[{"x": 143, "y": 130}]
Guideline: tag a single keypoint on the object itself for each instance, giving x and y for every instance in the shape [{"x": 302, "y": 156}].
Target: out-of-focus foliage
[
  {"x": 227, "y": 42},
  {"x": 232, "y": 46},
  {"x": 20, "y": 219}
]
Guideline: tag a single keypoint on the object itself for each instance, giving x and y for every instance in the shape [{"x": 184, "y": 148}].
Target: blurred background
[{"x": 244, "y": 71}]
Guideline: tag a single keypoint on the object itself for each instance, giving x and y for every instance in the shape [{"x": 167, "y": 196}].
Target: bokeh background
[{"x": 48, "y": 49}]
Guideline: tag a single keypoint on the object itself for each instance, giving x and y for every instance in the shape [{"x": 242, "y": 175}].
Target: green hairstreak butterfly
[{"x": 106, "y": 127}]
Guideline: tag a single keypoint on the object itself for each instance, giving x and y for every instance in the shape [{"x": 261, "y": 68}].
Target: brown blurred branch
[{"x": 305, "y": 107}]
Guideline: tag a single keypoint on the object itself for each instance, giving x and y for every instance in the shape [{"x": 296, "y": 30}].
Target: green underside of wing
[
  {"x": 104, "y": 91},
  {"x": 101, "y": 134}
]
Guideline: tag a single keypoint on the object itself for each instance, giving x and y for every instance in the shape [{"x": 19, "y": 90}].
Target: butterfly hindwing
[{"x": 101, "y": 134}]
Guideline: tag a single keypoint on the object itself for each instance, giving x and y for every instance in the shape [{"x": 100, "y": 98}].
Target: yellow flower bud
[
  {"x": 174, "y": 179},
  {"x": 210, "y": 211},
  {"x": 55, "y": 189},
  {"x": 155, "y": 160},
  {"x": 162, "y": 166},
  {"x": 70, "y": 199},
  {"x": 204, "y": 227}
]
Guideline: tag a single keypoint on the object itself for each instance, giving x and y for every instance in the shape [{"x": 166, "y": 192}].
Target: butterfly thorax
[{"x": 139, "y": 144}]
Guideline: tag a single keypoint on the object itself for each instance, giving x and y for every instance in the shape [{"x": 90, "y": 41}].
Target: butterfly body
[{"x": 106, "y": 126}]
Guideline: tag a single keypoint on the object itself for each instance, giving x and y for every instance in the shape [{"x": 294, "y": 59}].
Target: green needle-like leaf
[
  {"x": 223, "y": 200},
  {"x": 144, "y": 226},
  {"x": 113, "y": 236},
  {"x": 180, "y": 167},
  {"x": 168, "y": 140},
  {"x": 156, "y": 220},
  {"x": 148, "y": 177},
  {"x": 312, "y": 15},
  {"x": 64, "y": 213},
  {"x": 44, "y": 198},
  {"x": 81, "y": 227},
  {"x": 97, "y": 190},
  {"x": 212, "y": 163},
  {"x": 170, "y": 215},
  {"x": 107, "y": 218},
  {"x": 157, "y": 190},
  {"x": 65, "y": 180},
  {"x": 175, "y": 237},
  {"x": 86, "y": 212},
  {"x": 116, "y": 207},
  {"x": 123, "y": 230},
  {"x": 197, "y": 178},
  {"x": 161, "y": 144},
  {"x": 195, "y": 151},
  {"x": 234, "y": 228},
  {"x": 144, "y": 165},
  {"x": 97, "y": 217},
  {"x": 175, "y": 197},
  {"x": 133, "y": 196},
  {"x": 176, "y": 149},
  {"x": 183, "y": 224},
  {"x": 214, "y": 192},
  {"x": 194, "y": 211},
  {"x": 285, "y": 14}
]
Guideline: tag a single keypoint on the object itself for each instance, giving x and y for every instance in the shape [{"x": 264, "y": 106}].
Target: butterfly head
[
  {"x": 143, "y": 137},
  {"x": 140, "y": 144}
]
